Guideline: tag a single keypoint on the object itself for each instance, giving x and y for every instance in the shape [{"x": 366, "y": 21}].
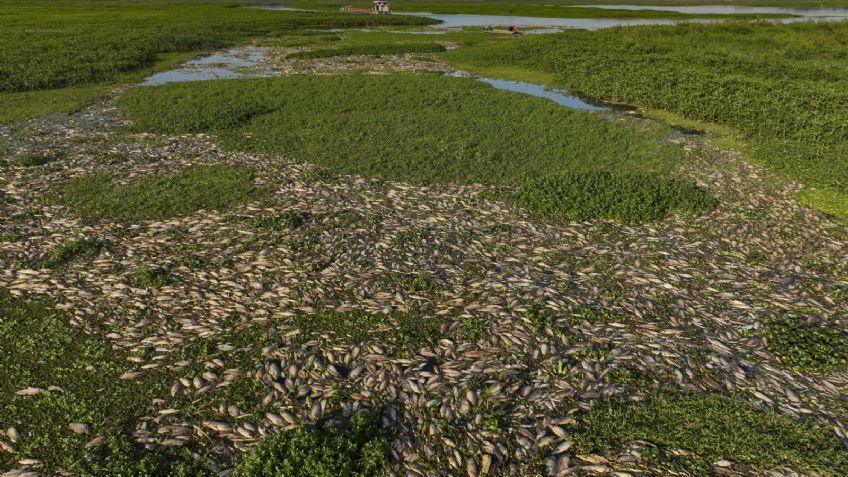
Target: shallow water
[
  {"x": 812, "y": 12},
  {"x": 559, "y": 97},
  {"x": 459, "y": 20},
  {"x": 218, "y": 66}
]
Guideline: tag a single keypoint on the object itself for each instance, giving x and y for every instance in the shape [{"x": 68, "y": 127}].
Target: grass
[
  {"x": 420, "y": 128},
  {"x": 31, "y": 104},
  {"x": 32, "y": 160},
  {"x": 831, "y": 202},
  {"x": 280, "y": 221},
  {"x": 778, "y": 86},
  {"x": 148, "y": 277},
  {"x": 357, "y": 448},
  {"x": 211, "y": 187},
  {"x": 38, "y": 348},
  {"x": 711, "y": 428},
  {"x": 77, "y": 249},
  {"x": 61, "y": 56},
  {"x": 808, "y": 347},
  {"x": 624, "y": 197}
]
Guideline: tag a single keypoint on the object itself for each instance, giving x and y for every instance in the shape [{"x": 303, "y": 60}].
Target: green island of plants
[
  {"x": 808, "y": 347},
  {"x": 359, "y": 447},
  {"x": 781, "y": 87},
  {"x": 625, "y": 197},
  {"x": 160, "y": 196},
  {"x": 710, "y": 428},
  {"x": 431, "y": 129}
]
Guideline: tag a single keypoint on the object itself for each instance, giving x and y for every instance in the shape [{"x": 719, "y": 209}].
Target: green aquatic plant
[
  {"x": 817, "y": 348},
  {"x": 625, "y": 197},
  {"x": 211, "y": 187},
  {"x": 709, "y": 428},
  {"x": 779, "y": 86},
  {"x": 359, "y": 447}
]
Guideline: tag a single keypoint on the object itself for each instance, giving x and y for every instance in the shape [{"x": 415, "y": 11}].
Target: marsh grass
[
  {"x": 149, "y": 277},
  {"x": 421, "y": 128},
  {"x": 281, "y": 221},
  {"x": 711, "y": 427},
  {"x": 38, "y": 348},
  {"x": 54, "y": 45},
  {"x": 209, "y": 187},
  {"x": 359, "y": 447},
  {"x": 810, "y": 348},
  {"x": 778, "y": 86},
  {"x": 32, "y": 160},
  {"x": 624, "y": 197},
  {"x": 63, "y": 56},
  {"x": 77, "y": 249},
  {"x": 430, "y": 128}
]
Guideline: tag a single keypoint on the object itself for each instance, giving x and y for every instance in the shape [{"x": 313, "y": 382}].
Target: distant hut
[{"x": 381, "y": 7}]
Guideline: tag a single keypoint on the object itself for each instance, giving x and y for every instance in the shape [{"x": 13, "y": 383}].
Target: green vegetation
[
  {"x": 429, "y": 128},
  {"x": 31, "y": 104},
  {"x": 828, "y": 201},
  {"x": 81, "y": 248},
  {"x": 624, "y": 197},
  {"x": 808, "y": 347},
  {"x": 39, "y": 349},
  {"x": 147, "y": 277},
  {"x": 780, "y": 86},
  {"x": 376, "y": 49},
  {"x": 422, "y": 128},
  {"x": 160, "y": 197},
  {"x": 711, "y": 428},
  {"x": 82, "y": 50},
  {"x": 32, "y": 160},
  {"x": 358, "y": 448},
  {"x": 280, "y": 221}
]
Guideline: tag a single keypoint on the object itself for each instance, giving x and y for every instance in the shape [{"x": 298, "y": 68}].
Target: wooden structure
[{"x": 381, "y": 7}]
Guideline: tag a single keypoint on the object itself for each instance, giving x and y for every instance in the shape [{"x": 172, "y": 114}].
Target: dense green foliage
[
  {"x": 782, "y": 86},
  {"x": 32, "y": 160},
  {"x": 806, "y": 347},
  {"x": 375, "y": 49},
  {"x": 39, "y": 349},
  {"x": 712, "y": 428},
  {"x": 409, "y": 127},
  {"x": 58, "y": 44},
  {"x": 81, "y": 248},
  {"x": 160, "y": 197},
  {"x": 280, "y": 221},
  {"x": 625, "y": 197},
  {"x": 358, "y": 448}
]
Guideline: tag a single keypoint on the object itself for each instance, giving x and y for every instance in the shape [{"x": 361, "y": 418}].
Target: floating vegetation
[
  {"x": 816, "y": 348},
  {"x": 160, "y": 196}
]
